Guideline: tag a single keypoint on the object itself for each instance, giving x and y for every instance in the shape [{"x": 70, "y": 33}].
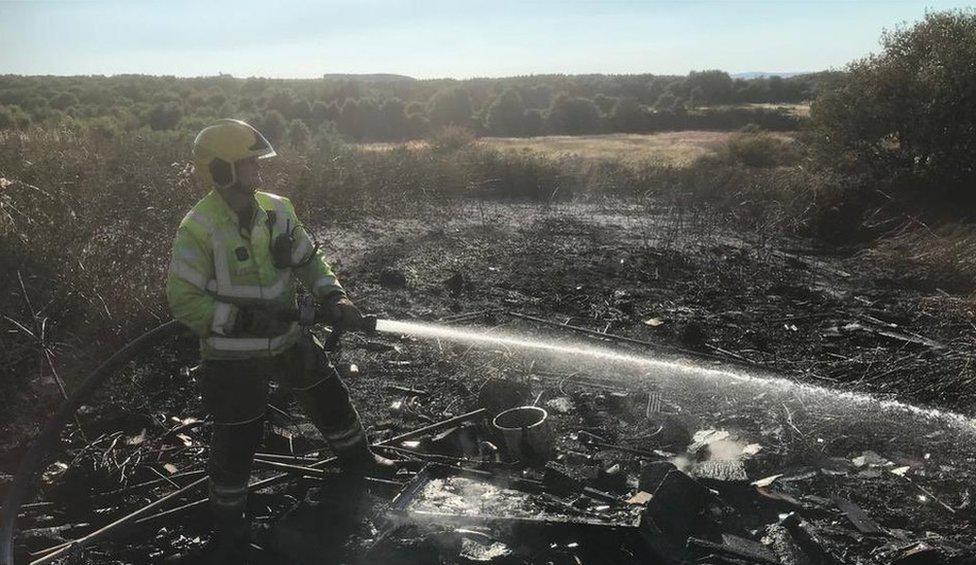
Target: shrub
[
  {"x": 298, "y": 134},
  {"x": 569, "y": 115},
  {"x": 919, "y": 257},
  {"x": 12, "y": 117},
  {"x": 909, "y": 108},
  {"x": 533, "y": 123},
  {"x": 272, "y": 125},
  {"x": 165, "y": 116},
  {"x": 449, "y": 139},
  {"x": 104, "y": 128},
  {"x": 64, "y": 100},
  {"x": 710, "y": 87},
  {"x": 761, "y": 150},
  {"x": 450, "y": 107},
  {"x": 506, "y": 115},
  {"x": 628, "y": 116},
  {"x": 86, "y": 224}
]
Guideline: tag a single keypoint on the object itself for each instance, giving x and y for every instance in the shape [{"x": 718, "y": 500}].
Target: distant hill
[
  {"x": 766, "y": 74},
  {"x": 375, "y": 77}
]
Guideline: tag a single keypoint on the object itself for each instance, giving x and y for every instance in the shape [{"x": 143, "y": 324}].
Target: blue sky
[{"x": 441, "y": 39}]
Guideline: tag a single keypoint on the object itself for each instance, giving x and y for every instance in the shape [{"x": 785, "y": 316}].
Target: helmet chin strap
[
  {"x": 235, "y": 190},
  {"x": 236, "y": 195},
  {"x": 234, "y": 179}
]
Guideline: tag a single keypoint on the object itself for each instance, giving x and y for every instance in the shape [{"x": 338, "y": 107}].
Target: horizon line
[{"x": 328, "y": 75}]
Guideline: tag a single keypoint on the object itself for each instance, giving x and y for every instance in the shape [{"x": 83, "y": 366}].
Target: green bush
[
  {"x": 298, "y": 134},
  {"x": 450, "y": 107},
  {"x": 12, "y": 117},
  {"x": 573, "y": 116},
  {"x": 506, "y": 115},
  {"x": 450, "y": 138},
  {"x": 165, "y": 116},
  {"x": 272, "y": 124},
  {"x": 761, "y": 150},
  {"x": 908, "y": 109}
]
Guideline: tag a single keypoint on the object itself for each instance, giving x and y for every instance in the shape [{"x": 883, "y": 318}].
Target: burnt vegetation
[
  {"x": 94, "y": 174},
  {"x": 839, "y": 254}
]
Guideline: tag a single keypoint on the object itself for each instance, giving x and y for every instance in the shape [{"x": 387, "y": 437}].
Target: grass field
[
  {"x": 677, "y": 148},
  {"x": 674, "y": 148},
  {"x": 799, "y": 110}
]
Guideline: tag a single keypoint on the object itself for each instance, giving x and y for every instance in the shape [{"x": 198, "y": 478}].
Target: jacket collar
[{"x": 226, "y": 211}]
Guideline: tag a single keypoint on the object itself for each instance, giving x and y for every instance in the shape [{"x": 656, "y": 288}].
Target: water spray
[{"x": 663, "y": 368}]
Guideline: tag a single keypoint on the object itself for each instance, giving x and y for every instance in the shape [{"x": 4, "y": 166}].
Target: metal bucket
[{"x": 527, "y": 433}]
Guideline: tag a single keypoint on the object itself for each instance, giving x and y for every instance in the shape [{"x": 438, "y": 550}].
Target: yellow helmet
[{"x": 218, "y": 148}]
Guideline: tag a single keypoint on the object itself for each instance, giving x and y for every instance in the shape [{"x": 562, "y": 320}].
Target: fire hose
[{"x": 22, "y": 487}]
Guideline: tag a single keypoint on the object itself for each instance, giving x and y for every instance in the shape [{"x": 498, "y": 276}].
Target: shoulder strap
[{"x": 272, "y": 218}]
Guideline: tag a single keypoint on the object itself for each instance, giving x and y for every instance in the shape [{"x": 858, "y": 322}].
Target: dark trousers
[{"x": 236, "y": 394}]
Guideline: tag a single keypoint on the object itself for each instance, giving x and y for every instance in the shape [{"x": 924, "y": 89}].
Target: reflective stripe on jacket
[{"x": 217, "y": 269}]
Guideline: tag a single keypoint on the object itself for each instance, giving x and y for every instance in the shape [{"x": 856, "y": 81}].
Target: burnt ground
[{"x": 766, "y": 349}]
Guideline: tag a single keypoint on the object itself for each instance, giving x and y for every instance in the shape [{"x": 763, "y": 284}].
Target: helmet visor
[{"x": 261, "y": 148}]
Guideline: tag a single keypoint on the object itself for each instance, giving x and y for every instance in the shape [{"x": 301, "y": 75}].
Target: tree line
[
  {"x": 907, "y": 114},
  {"x": 392, "y": 107}
]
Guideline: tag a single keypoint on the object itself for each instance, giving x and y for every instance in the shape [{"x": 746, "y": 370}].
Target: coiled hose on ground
[{"x": 24, "y": 481}]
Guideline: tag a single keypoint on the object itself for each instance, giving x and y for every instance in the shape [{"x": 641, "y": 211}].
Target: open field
[
  {"x": 677, "y": 148},
  {"x": 798, "y": 110}
]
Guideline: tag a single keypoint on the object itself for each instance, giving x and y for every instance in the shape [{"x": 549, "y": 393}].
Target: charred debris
[{"x": 597, "y": 470}]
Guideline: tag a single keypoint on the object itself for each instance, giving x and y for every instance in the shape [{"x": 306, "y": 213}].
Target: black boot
[
  {"x": 231, "y": 540},
  {"x": 359, "y": 459}
]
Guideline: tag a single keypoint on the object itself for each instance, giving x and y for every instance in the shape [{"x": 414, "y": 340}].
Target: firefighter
[{"x": 235, "y": 259}]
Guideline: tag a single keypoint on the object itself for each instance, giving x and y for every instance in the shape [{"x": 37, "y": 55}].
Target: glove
[{"x": 341, "y": 312}]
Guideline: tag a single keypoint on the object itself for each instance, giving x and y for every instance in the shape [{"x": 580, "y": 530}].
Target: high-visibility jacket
[{"x": 218, "y": 268}]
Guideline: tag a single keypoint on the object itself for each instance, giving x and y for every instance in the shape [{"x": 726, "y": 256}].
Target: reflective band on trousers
[
  {"x": 252, "y": 343},
  {"x": 228, "y": 495}
]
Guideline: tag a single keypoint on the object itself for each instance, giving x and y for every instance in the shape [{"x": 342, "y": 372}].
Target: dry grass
[
  {"x": 383, "y": 146},
  {"x": 919, "y": 257},
  {"x": 795, "y": 110},
  {"x": 677, "y": 148},
  {"x": 798, "y": 110}
]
